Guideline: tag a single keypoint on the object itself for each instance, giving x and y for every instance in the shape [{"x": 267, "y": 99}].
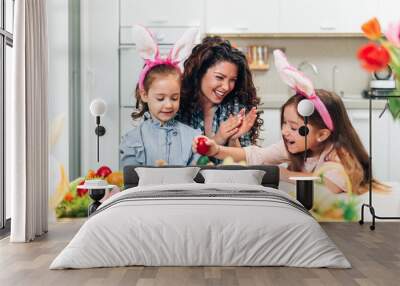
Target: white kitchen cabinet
[
  {"x": 394, "y": 143},
  {"x": 163, "y": 35},
  {"x": 325, "y": 16},
  {"x": 161, "y": 13},
  {"x": 354, "y": 13},
  {"x": 381, "y": 142},
  {"x": 130, "y": 66},
  {"x": 271, "y": 130},
  {"x": 309, "y": 16},
  {"x": 388, "y": 11},
  {"x": 237, "y": 16}
]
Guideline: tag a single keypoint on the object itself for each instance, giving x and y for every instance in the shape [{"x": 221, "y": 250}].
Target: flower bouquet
[
  {"x": 384, "y": 51},
  {"x": 76, "y": 201}
]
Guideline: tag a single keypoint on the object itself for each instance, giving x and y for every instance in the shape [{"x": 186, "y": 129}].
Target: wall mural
[{"x": 173, "y": 110}]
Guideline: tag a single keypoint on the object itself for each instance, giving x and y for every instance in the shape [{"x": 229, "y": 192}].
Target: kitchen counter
[{"x": 353, "y": 102}]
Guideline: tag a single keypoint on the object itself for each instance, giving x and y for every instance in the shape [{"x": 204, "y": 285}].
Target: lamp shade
[
  {"x": 98, "y": 107},
  {"x": 305, "y": 107}
]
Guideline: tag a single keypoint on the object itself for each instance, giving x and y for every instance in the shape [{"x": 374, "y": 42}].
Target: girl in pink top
[
  {"x": 332, "y": 143},
  {"x": 324, "y": 147}
]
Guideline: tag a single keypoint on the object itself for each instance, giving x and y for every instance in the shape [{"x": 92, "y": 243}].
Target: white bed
[{"x": 201, "y": 224}]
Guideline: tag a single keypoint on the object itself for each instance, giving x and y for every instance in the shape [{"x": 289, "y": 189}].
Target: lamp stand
[
  {"x": 305, "y": 190},
  {"x": 100, "y": 131},
  {"x": 369, "y": 205},
  {"x": 305, "y": 193},
  {"x": 305, "y": 138},
  {"x": 96, "y": 195}
]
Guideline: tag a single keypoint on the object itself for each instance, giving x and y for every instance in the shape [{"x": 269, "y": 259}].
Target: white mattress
[{"x": 184, "y": 230}]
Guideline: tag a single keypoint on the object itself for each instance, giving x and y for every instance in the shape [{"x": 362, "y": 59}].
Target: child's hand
[
  {"x": 247, "y": 122},
  {"x": 228, "y": 128},
  {"x": 213, "y": 147}
]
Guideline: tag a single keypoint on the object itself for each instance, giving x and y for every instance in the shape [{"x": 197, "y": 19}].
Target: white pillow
[
  {"x": 166, "y": 176},
  {"x": 248, "y": 177}
]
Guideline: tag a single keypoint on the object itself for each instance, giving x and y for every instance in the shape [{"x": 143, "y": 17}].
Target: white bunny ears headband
[
  {"x": 302, "y": 85},
  {"x": 148, "y": 50}
]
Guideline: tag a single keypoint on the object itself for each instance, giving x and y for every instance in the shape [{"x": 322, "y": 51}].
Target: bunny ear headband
[
  {"x": 148, "y": 50},
  {"x": 302, "y": 85}
]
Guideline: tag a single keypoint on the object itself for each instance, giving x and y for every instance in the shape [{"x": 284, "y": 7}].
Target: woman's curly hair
[{"x": 209, "y": 52}]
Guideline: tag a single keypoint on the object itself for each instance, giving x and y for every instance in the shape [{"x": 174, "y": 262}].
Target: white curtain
[{"x": 27, "y": 123}]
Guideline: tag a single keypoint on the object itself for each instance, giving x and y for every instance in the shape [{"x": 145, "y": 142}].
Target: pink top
[{"x": 276, "y": 154}]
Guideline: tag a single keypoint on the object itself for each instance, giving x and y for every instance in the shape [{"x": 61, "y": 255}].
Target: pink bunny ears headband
[
  {"x": 148, "y": 50},
  {"x": 302, "y": 85}
]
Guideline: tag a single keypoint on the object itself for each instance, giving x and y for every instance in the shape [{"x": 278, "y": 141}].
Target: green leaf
[
  {"x": 395, "y": 68},
  {"x": 394, "y": 55},
  {"x": 394, "y": 107},
  {"x": 350, "y": 213}
]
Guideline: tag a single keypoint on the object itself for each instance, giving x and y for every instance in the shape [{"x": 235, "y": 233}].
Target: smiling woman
[{"x": 218, "y": 94}]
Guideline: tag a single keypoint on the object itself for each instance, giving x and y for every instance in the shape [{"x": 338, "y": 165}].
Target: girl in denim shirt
[{"x": 159, "y": 137}]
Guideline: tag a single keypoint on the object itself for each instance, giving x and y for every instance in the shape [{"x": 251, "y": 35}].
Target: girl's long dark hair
[
  {"x": 344, "y": 139},
  {"x": 209, "y": 52}
]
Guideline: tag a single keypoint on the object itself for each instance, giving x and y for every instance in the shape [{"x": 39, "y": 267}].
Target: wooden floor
[{"x": 374, "y": 255}]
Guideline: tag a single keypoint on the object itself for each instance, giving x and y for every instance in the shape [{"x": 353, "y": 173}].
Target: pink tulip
[{"x": 393, "y": 34}]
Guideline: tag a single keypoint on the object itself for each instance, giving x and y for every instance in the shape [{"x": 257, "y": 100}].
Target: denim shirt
[{"x": 149, "y": 142}]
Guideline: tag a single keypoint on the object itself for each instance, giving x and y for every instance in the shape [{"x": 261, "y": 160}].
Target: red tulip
[
  {"x": 202, "y": 147},
  {"x": 373, "y": 57},
  {"x": 103, "y": 171}
]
